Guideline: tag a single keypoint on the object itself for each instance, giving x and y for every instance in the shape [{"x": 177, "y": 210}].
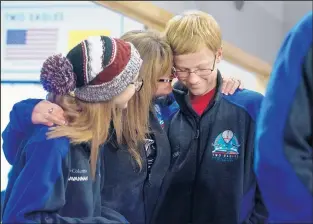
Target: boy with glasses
[{"x": 211, "y": 136}]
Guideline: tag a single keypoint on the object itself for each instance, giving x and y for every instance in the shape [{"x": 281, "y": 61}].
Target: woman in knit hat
[{"x": 57, "y": 176}]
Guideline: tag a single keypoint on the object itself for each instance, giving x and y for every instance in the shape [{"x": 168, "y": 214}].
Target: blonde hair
[
  {"x": 87, "y": 122},
  {"x": 157, "y": 61},
  {"x": 191, "y": 31}
]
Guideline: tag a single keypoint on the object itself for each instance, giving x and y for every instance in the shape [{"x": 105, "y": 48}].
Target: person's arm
[
  {"x": 19, "y": 126},
  {"x": 39, "y": 191},
  {"x": 284, "y": 161},
  {"x": 23, "y": 117}
]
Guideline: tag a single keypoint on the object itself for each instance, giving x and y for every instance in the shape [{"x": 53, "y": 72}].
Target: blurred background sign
[
  {"x": 31, "y": 31},
  {"x": 76, "y": 36}
]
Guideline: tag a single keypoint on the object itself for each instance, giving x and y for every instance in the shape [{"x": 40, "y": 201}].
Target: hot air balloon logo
[{"x": 225, "y": 147}]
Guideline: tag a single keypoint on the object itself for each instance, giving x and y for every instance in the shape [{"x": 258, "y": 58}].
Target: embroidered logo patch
[{"x": 225, "y": 147}]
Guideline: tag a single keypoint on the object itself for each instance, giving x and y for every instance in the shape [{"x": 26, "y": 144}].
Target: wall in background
[
  {"x": 258, "y": 28},
  {"x": 293, "y": 11},
  {"x": 249, "y": 79}
]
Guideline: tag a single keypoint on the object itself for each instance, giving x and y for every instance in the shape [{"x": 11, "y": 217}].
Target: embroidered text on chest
[{"x": 78, "y": 175}]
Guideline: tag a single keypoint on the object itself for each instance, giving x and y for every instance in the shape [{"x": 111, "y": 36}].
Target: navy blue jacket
[
  {"x": 126, "y": 189},
  {"x": 284, "y": 138},
  {"x": 133, "y": 193},
  {"x": 50, "y": 182},
  {"x": 211, "y": 177}
]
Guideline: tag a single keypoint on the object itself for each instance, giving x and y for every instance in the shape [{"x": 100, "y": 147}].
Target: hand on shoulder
[{"x": 47, "y": 113}]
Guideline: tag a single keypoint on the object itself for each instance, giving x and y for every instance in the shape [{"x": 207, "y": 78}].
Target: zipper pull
[{"x": 197, "y": 134}]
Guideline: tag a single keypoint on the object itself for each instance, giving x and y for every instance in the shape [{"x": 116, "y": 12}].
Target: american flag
[{"x": 30, "y": 44}]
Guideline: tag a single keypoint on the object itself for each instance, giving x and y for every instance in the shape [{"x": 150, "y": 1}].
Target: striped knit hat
[{"x": 95, "y": 70}]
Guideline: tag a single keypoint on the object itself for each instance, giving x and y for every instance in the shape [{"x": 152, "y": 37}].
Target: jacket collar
[{"x": 181, "y": 94}]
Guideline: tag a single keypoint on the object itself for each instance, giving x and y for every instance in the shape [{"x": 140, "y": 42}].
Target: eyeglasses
[
  {"x": 199, "y": 72},
  {"x": 170, "y": 79},
  {"x": 165, "y": 80},
  {"x": 138, "y": 84}
]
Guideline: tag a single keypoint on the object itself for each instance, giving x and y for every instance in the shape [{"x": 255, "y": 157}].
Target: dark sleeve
[
  {"x": 18, "y": 127},
  {"x": 39, "y": 191},
  {"x": 298, "y": 133}
]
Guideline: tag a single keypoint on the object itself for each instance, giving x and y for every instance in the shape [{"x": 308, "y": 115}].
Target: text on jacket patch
[{"x": 77, "y": 175}]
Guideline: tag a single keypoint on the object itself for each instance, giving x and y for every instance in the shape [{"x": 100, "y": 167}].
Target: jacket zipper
[
  {"x": 197, "y": 138},
  {"x": 198, "y": 159}
]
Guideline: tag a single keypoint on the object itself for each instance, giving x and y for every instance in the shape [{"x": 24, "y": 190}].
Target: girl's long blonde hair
[{"x": 87, "y": 122}]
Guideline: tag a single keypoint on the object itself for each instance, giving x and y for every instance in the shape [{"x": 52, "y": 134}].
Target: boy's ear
[{"x": 219, "y": 55}]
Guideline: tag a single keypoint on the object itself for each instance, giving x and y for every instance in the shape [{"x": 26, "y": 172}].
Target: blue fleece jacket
[
  {"x": 283, "y": 159},
  {"x": 50, "y": 181}
]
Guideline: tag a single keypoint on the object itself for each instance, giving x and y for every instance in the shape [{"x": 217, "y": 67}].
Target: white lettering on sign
[{"x": 35, "y": 17}]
